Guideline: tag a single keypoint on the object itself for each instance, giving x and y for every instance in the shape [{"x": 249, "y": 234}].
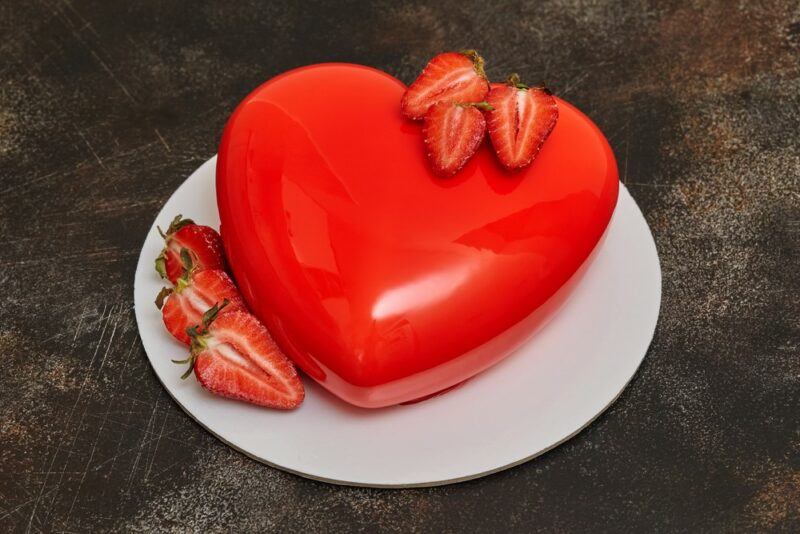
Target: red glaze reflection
[{"x": 384, "y": 282}]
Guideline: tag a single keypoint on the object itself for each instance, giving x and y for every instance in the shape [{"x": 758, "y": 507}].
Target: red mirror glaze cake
[{"x": 382, "y": 280}]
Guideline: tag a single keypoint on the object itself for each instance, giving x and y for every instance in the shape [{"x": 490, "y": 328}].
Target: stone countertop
[{"x": 105, "y": 107}]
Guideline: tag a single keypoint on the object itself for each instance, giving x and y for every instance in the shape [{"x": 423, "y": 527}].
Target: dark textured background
[{"x": 105, "y": 107}]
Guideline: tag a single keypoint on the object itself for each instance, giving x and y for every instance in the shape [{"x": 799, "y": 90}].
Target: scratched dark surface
[{"x": 105, "y": 107}]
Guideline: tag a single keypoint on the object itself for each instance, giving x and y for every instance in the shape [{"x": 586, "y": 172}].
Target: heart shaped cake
[{"x": 383, "y": 281}]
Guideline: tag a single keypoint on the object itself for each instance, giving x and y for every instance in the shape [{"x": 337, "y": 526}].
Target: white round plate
[{"x": 571, "y": 370}]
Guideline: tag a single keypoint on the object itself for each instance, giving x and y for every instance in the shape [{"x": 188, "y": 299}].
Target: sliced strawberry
[
  {"x": 452, "y": 76},
  {"x": 453, "y": 132},
  {"x": 522, "y": 119},
  {"x": 196, "y": 292},
  {"x": 236, "y": 357},
  {"x": 203, "y": 242}
]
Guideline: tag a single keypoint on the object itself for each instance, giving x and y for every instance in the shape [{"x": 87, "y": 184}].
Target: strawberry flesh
[
  {"x": 448, "y": 77},
  {"x": 237, "y": 358},
  {"x": 202, "y": 289},
  {"x": 520, "y": 122},
  {"x": 453, "y": 132}
]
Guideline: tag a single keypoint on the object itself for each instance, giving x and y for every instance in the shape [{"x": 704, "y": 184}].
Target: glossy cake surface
[{"x": 381, "y": 280}]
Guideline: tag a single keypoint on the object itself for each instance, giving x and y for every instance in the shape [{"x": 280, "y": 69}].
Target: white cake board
[{"x": 540, "y": 396}]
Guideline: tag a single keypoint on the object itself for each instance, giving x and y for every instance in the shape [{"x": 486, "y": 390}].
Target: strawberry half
[
  {"x": 195, "y": 292},
  {"x": 234, "y": 356},
  {"x": 453, "y": 132},
  {"x": 452, "y": 76},
  {"x": 203, "y": 242},
  {"x": 522, "y": 119}
]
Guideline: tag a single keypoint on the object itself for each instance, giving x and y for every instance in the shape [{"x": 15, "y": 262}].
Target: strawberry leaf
[
  {"x": 212, "y": 312},
  {"x": 190, "y": 360},
  {"x": 186, "y": 259},
  {"x": 514, "y": 81},
  {"x": 162, "y": 295},
  {"x": 477, "y": 61},
  {"x": 188, "y": 265},
  {"x": 161, "y": 265},
  {"x": 177, "y": 223}
]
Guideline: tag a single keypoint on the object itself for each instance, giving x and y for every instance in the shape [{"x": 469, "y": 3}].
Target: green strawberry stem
[
  {"x": 199, "y": 341},
  {"x": 483, "y": 106},
  {"x": 477, "y": 61},
  {"x": 514, "y": 81}
]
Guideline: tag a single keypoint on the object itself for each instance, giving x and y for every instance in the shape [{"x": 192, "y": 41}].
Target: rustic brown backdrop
[{"x": 105, "y": 107}]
